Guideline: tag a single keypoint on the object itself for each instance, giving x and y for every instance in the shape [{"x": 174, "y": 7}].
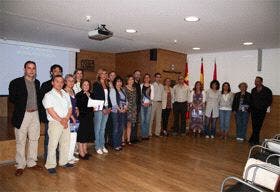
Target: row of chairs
[{"x": 262, "y": 171}]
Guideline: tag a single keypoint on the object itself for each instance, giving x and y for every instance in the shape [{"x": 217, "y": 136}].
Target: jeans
[
  {"x": 241, "y": 124},
  {"x": 100, "y": 121},
  {"x": 224, "y": 116},
  {"x": 179, "y": 110},
  {"x": 210, "y": 131},
  {"x": 165, "y": 117},
  {"x": 119, "y": 121},
  {"x": 145, "y": 121},
  {"x": 109, "y": 129},
  {"x": 257, "y": 122}
]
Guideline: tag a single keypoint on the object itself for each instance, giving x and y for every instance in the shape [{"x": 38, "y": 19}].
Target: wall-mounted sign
[{"x": 87, "y": 65}]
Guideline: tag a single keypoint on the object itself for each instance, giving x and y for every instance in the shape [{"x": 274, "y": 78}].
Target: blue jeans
[
  {"x": 119, "y": 121},
  {"x": 224, "y": 116},
  {"x": 241, "y": 124},
  {"x": 210, "y": 127},
  {"x": 100, "y": 121},
  {"x": 145, "y": 121}
]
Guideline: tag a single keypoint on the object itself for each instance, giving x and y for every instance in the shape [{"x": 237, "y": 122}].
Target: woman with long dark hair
[
  {"x": 131, "y": 95},
  {"x": 119, "y": 108},
  {"x": 197, "y": 104},
  {"x": 212, "y": 108},
  {"x": 225, "y": 108}
]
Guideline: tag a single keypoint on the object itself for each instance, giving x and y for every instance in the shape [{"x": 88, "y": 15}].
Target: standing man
[
  {"x": 46, "y": 87},
  {"x": 24, "y": 94},
  {"x": 156, "y": 105},
  {"x": 180, "y": 106},
  {"x": 59, "y": 110},
  {"x": 261, "y": 100},
  {"x": 134, "y": 127}
]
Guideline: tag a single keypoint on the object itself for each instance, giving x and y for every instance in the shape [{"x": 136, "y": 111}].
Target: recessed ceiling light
[
  {"x": 196, "y": 48},
  {"x": 175, "y": 41},
  {"x": 192, "y": 19},
  {"x": 130, "y": 30},
  {"x": 88, "y": 18},
  {"x": 248, "y": 43}
]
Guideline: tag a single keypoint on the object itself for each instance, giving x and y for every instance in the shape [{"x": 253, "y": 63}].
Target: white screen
[{"x": 14, "y": 55}]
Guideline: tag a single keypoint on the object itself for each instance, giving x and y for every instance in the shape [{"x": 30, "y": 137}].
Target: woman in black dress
[{"x": 85, "y": 131}]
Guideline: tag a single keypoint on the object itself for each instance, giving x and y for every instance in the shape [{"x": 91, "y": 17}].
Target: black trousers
[
  {"x": 165, "y": 116},
  {"x": 257, "y": 122},
  {"x": 179, "y": 110},
  {"x": 134, "y": 127},
  {"x": 109, "y": 130}
]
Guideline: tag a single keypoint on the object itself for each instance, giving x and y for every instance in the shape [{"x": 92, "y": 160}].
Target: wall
[
  {"x": 127, "y": 63},
  {"x": 237, "y": 66},
  {"x": 101, "y": 60}
]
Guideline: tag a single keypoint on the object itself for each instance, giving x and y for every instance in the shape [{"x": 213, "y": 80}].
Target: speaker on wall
[
  {"x": 259, "y": 59},
  {"x": 153, "y": 54}
]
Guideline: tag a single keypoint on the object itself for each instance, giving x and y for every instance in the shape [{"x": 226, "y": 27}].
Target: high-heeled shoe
[{"x": 86, "y": 157}]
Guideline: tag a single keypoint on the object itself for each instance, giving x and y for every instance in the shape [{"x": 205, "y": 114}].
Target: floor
[{"x": 181, "y": 163}]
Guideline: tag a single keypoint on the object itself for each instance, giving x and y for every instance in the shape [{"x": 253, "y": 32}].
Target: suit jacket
[
  {"x": 236, "y": 101},
  {"x": 99, "y": 94},
  {"x": 18, "y": 96},
  {"x": 45, "y": 87}
]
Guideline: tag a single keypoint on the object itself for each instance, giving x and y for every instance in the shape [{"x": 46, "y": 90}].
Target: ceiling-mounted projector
[{"x": 100, "y": 33}]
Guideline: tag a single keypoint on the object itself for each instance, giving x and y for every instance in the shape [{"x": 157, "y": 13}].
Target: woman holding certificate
[
  {"x": 85, "y": 131},
  {"x": 100, "y": 91}
]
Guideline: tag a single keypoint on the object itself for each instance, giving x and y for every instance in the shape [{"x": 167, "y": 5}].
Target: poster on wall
[{"x": 87, "y": 65}]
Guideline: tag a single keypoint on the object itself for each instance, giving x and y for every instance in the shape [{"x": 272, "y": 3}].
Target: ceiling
[{"x": 224, "y": 24}]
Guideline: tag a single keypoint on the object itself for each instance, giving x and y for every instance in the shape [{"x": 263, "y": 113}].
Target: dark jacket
[
  {"x": 99, "y": 94},
  {"x": 45, "y": 87},
  {"x": 236, "y": 101},
  {"x": 138, "y": 91},
  {"x": 82, "y": 101},
  {"x": 261, "y": 100},
  {"x": 18, "y": 96}
]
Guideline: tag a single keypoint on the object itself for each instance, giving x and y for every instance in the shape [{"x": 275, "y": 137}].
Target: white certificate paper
[{"x": 96, "y": 104}]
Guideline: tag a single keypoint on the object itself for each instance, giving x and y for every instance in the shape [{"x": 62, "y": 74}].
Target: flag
[
  {"x": 215, "y": 71},
  {"x": 186, "y": 80},
  {"x": 202, "y": 73}
]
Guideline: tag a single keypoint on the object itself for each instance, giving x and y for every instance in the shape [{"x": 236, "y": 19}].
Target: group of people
[{"x": 62, "y": 104}]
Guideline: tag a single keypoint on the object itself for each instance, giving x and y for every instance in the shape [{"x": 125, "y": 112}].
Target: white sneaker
[
  {"x": 99, "y": 151},
  {"x": 212, "y": 137},
  {"x": 207, "y": 137},
  {"x": 238, "y": 138},
  {"x": 76, "y": 159},
  {"x": 104, "y": 150}
]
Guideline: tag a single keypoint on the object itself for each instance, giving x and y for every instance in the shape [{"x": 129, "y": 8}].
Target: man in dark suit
[
  {"x": 46, "y": 87},
  {"x": 24, "y": 94}
]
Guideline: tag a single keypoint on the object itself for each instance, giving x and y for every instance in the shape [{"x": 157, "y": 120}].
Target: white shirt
[
  {"x": 158, "y": 90},
  {"x": 106, "y": 97},
  {"x": 181, "y": 93},
  {"x": 60, "y": 103}
]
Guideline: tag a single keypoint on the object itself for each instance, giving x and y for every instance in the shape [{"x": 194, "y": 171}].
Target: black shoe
[
  {"x": 68, "y": 165},
  {"x": 52, "y": 171},
  {"x": 86, "y": 157}
]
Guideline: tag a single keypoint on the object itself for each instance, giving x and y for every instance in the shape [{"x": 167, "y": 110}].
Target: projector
[{"x": 100, "y": 33}]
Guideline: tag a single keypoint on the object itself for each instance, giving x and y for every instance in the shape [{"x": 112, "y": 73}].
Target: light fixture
[
  {"x": 88, "y": 18},
  {"x": 175, "y": 41},
  {"x": 196, "y": 48},
  {"x": 192, "y": 19},
  {"x": 130, "y": 31},
  {"x": 248, "y": 43}
]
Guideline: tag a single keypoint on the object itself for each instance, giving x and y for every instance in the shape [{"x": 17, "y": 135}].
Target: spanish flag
[
  {"x": 215, "y": 71},
  {"x": 186, "y": 80},
  {"x": 202, "y": 73}
]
